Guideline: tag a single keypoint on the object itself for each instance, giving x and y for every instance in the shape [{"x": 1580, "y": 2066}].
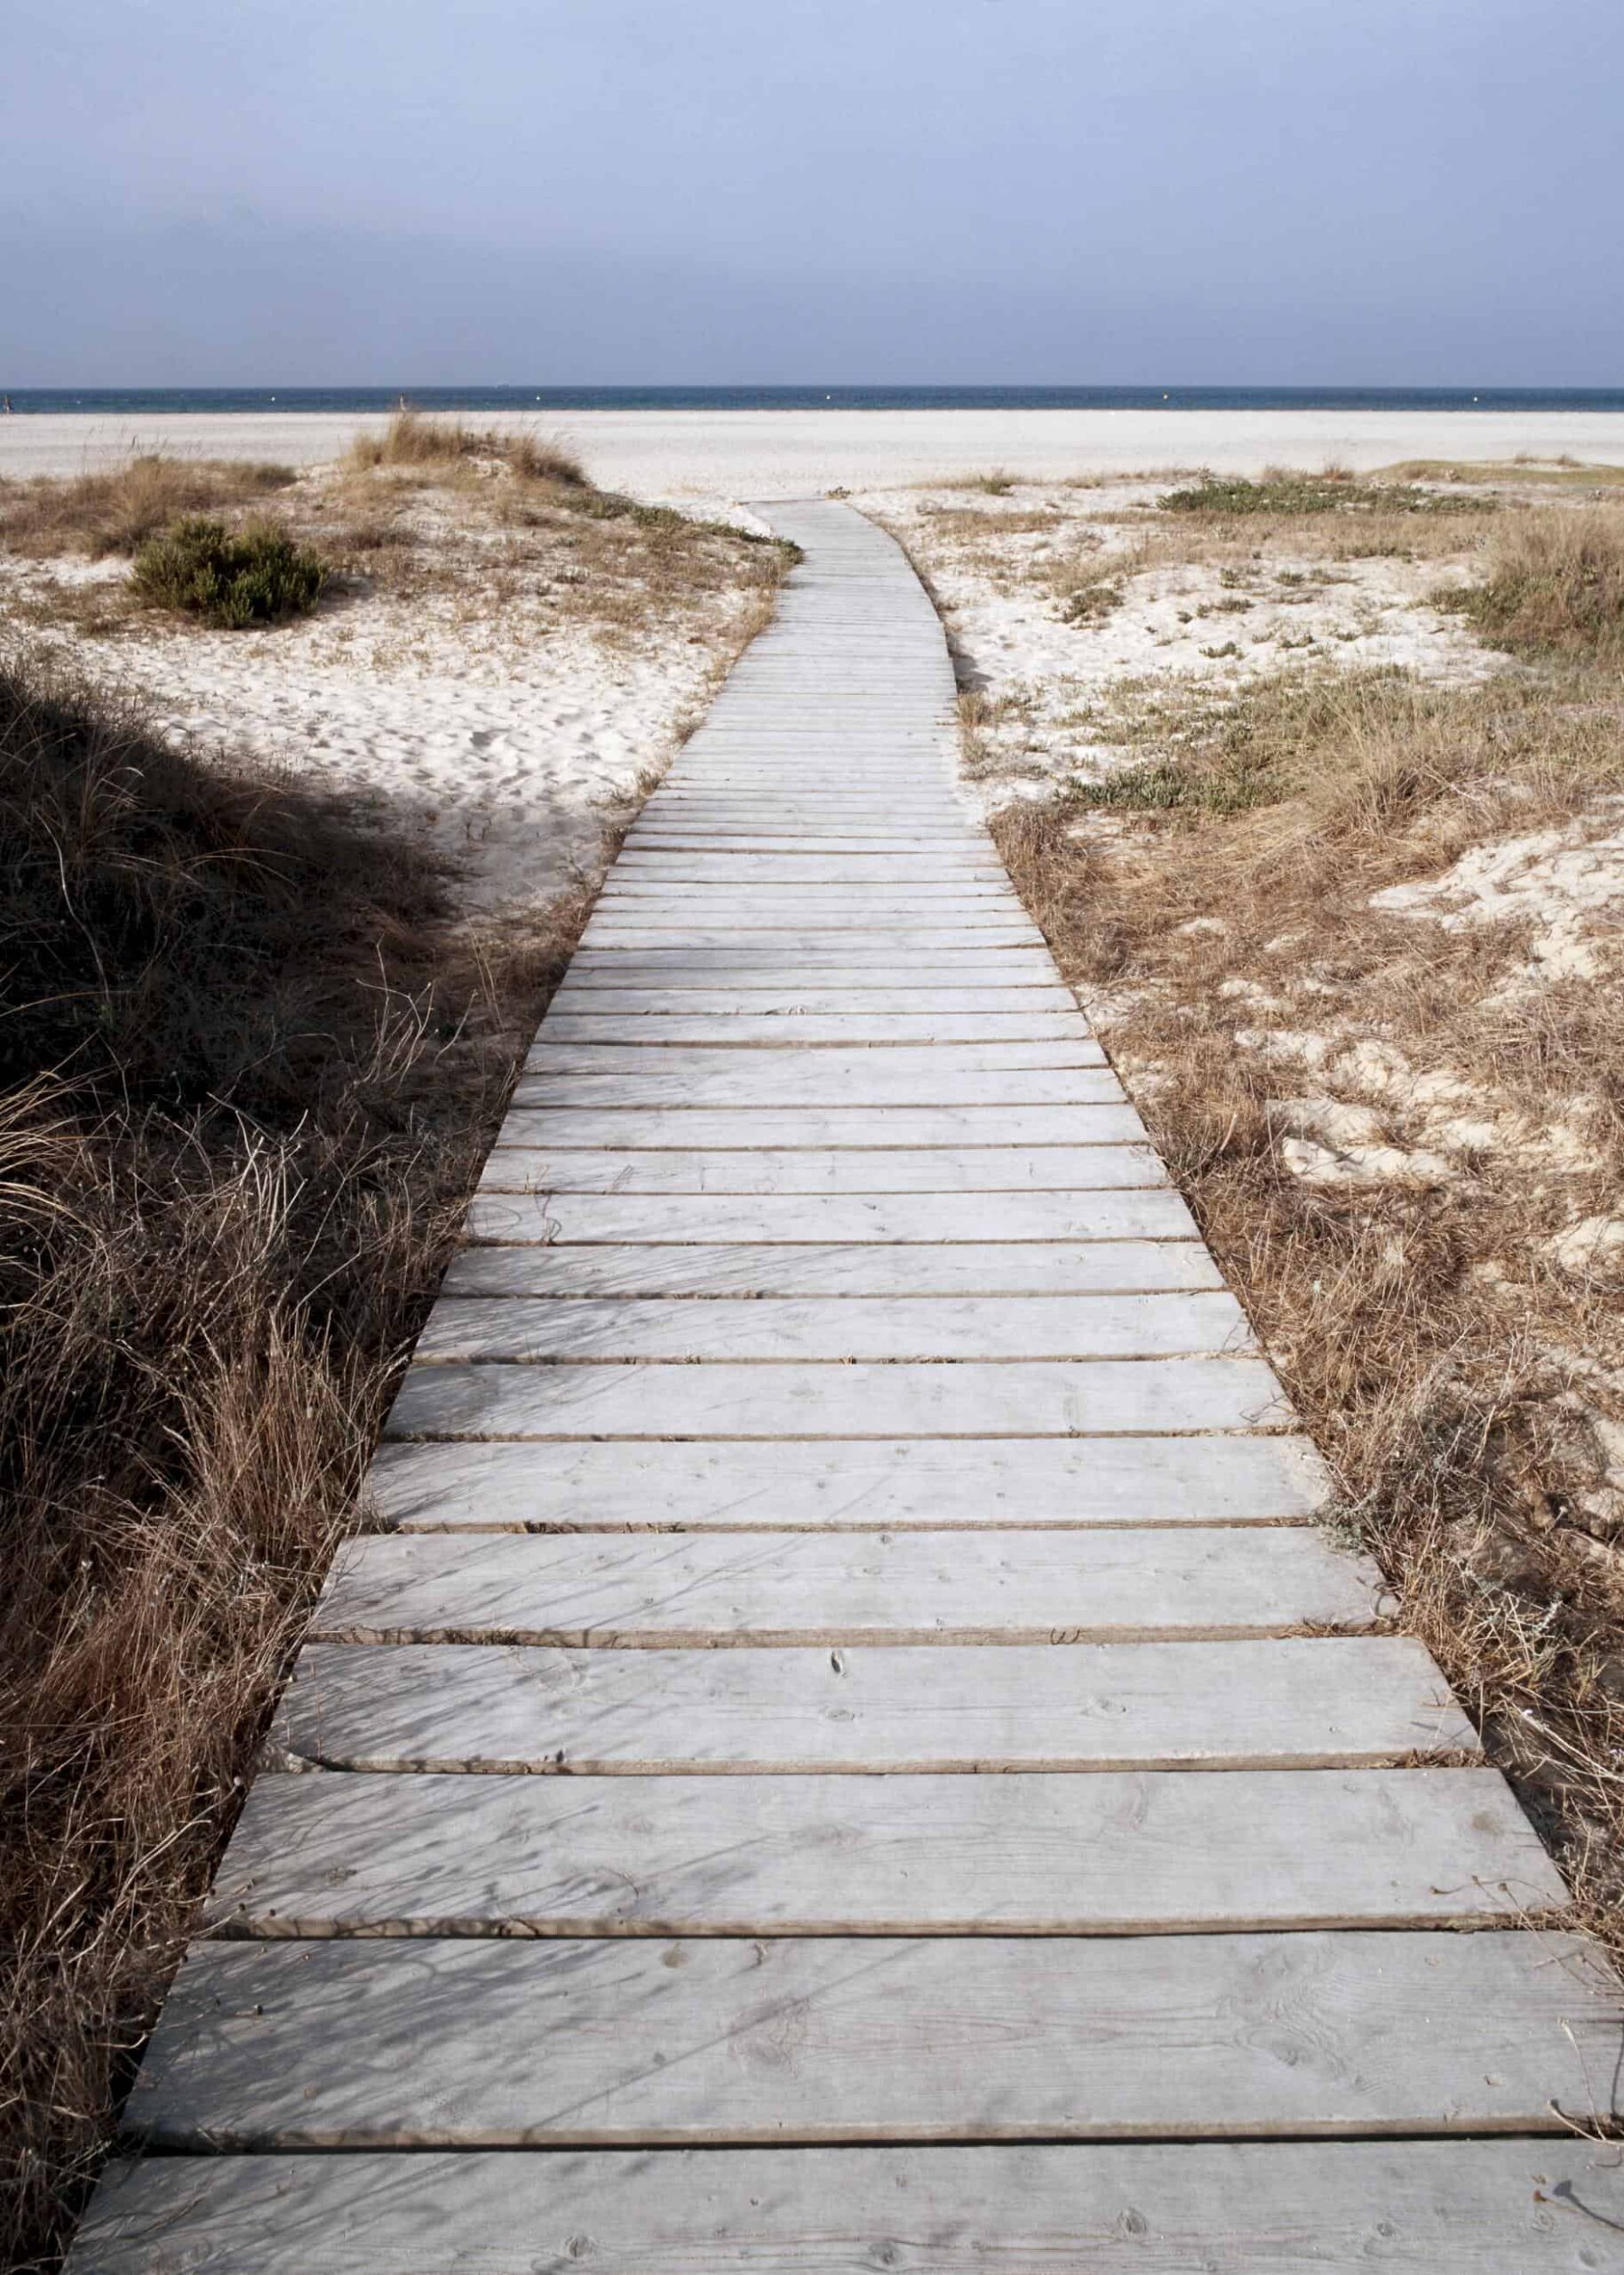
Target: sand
[
  {"x": 706, "y": 455},
  {"x": 493, "y": 710}
]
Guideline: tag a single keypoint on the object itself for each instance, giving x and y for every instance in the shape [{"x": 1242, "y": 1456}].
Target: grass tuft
[
  {"x": 412, "y": 440},
  {"x": 256, "y": 575},
  {"x": 1554, "y": 587},
  {"x": 118, "y": 511}
]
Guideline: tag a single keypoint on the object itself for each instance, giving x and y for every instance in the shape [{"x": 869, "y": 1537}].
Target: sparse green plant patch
[
  {"x": 1230, "y": 497},
  {"x": 256, "y": 575},
  {"x": 1091, "y": 603}
]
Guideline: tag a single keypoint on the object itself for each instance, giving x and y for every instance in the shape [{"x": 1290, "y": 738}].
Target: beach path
[{"x": 845, "y": 1746}]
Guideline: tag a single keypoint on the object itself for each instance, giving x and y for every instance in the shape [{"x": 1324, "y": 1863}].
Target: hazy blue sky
[{"x": 352, "y": 191}]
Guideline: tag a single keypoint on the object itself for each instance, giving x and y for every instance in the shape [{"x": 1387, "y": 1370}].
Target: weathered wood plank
[
  {"x": 816, "y": 1078},
  {"x": 874, "y": 898},
  {"x": 849, "y": 1485},
  {"x": 1333, "y": 1702},
  {"x": 1020, "y": 1399},
  {"x": 919, "y": 1006},
  {"x": 831, "y": 1066},
  {"x": 833, "y": 936},
  {"x": 1152, "y": 1852},
  {"x": 929, "y": 1219},
  {"x": 886, "y": 1128},
  {"x": 413, "y": 2042},
  {"x": 640, "y": 870},
  {"x": 979, "y": 1168},
  {"x": 834, "y": 965},
  {"x": 658, "y": 1590},
  {"x": 662, "y": 1020},
  {"x": 694, "y": 1063},
  {"x": 1544, "y": 2207},
  {"x": 578, "y": 1331},
  {"x": 988, "y": 1269}
]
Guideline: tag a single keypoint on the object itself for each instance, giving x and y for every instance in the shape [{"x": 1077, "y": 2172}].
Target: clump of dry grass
[
  {"x": 1563, "y": 472},
  {"x": 116, "y": 511},
  {"x": 1368, "y": 745},
  {"x": 1554, "y": 587},
  {"x": 249, "y": 1065},
  {"x": 412, "y": 440},
  {"x": 1446, "y": 1367}
]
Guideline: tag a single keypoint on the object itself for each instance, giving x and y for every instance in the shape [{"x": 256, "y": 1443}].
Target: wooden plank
[
  {"x": 944, "y": 1168},
  {"x": 985, "y": 1268},
  {"x": 1023, "y": 1399},
  {"x": 838, "y": 964},
  {"x": 921, "y": 1006},
  {"x": 662, "y": 1020},
  {"x": 836, "y": 938},
  {"x": 346, "y": 2044},
  {"x": 584, "y": 1330},
  {"x": 740, "y": 886},
  {"x": 644, "y": 1591},
  {"x": 697, "y": 1062},
  {"x": 792, "y": 865},
  {"x": 794, "y": 1079},
  {"x": 1333, "y": 1701},
  {"x": 847, "y": 1485},
  {"x": 890, "y": 1128},
  {"x": 927, "y": 1219},
  {"x": 1148, "y": 1853},
  {"x": 1546, "y": 2207}
]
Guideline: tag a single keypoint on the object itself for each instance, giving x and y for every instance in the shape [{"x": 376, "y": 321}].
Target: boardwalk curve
[{"x": 845, "y": 1748}]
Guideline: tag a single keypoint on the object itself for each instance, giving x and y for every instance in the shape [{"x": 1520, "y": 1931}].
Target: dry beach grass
[
  {"x": 1351, "y": 936},
  {"x": 251, "y": 1063}
]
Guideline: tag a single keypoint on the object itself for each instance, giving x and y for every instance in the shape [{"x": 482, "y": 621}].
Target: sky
[{"x": 614, "y": 192}]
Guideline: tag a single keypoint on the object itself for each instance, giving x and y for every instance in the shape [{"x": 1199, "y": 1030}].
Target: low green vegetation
[
  {"x": 230, "y": 579},
  {"x": 1225, "y": 496},
  {"x": 1091, "y": 603}
]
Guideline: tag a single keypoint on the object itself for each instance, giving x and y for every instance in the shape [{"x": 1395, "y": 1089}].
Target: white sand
[
  {"x": 1050, "y": 683},
  {"x": 709, "y": 454},
  {"x": 514, "y": 734}
]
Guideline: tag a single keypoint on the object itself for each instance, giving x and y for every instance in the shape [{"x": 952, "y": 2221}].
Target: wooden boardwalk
[{"x": 833, "y": 1405}]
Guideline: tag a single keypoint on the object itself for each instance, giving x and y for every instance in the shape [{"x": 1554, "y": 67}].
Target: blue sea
[{"x": 139, "y": 400}]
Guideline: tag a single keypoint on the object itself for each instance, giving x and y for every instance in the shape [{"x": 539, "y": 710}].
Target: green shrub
[{"x": 256, "y": 575}]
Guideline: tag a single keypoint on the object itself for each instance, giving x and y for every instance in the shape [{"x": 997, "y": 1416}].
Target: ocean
[{"x": 138, "y": 400}]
